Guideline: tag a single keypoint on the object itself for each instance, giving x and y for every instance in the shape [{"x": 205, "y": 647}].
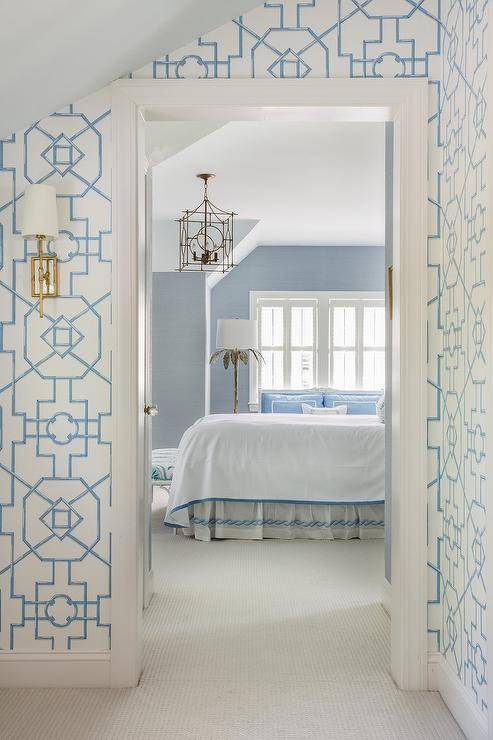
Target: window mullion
[
  {"x": 359, "y": 345},
  {"x": 287, "y": 344},
  {"x": 322, "y": 347},
  {"x": 255, "y": 367},
  {"x": 330, "y": 313}
]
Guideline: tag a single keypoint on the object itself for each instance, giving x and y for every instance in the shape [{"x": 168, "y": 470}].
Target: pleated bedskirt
[{"x": 256, "y": 520}]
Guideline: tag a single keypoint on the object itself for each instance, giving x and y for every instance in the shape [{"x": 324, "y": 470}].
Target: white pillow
[{"x": 323, "y": 411}]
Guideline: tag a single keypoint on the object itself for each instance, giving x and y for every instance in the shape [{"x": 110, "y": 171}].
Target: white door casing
[
  {"x": 148, "y": 585},
  {"x": 403, "y": 101}
]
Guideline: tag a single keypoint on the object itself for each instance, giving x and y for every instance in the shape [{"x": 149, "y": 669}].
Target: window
[
  {"x": 357, "y": 343},
  {"x": 318, "y": 339},
  {"x": 287, "y": 331}
]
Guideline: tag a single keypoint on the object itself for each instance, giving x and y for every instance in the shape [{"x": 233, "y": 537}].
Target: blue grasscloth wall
[
  {"x": 286, "y": 268},
  {"x": 54, "y": 592}
]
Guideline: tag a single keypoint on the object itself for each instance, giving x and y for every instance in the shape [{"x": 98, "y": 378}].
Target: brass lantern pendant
[{"x": 206, "y": 236}]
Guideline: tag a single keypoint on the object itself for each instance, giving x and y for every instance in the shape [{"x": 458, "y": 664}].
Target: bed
[{"x": 251, "y": 476}]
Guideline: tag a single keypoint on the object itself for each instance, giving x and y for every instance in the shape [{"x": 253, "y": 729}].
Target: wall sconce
[{"x": 40, "y": 221}]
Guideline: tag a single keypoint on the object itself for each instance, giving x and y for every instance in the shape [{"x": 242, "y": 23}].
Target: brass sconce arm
[{"x": 44, "y": 275}]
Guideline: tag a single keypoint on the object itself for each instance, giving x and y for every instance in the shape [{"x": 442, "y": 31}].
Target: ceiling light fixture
[{"x": 206, "y": 236}]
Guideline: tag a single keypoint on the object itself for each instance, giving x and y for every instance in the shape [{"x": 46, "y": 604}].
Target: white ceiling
[
  {"x": 307, "y": 183},
  {"x": 54, "y": 53}
]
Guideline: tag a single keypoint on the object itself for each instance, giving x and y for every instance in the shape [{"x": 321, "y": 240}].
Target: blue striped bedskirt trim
[{"x": 292, "y": 523}]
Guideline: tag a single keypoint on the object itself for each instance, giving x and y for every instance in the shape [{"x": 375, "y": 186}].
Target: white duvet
[{"x": 278, "y": 457}]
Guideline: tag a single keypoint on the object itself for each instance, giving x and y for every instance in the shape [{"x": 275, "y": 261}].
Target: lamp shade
[
  {"x": 237, "y": 334},
  {"x": 40, "y": 217}
]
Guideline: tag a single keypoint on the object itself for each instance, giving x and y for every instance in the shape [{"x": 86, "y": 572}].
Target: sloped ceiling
[
  {"x": 164, "y": 139},
  {"x": 55, "y": 52}
]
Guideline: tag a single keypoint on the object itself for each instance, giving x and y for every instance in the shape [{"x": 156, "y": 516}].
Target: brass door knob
[{"x": 151, "y": 410}]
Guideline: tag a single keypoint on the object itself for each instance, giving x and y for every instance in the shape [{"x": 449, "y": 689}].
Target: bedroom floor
[
  {"x": 278, "y": 639},
  {"x": 254, "y": 640}
]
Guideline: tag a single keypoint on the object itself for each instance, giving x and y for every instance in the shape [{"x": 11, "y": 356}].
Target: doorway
[{"x": 405, "y": 103}]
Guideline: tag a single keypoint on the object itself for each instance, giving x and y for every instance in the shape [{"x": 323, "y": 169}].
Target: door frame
[
  {"x": 403, "y": 101},
  {"x": 148, "y": 583}
]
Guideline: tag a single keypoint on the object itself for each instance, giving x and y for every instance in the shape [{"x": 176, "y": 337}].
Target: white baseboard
[
  {"x": 387, "y": 596},
  {"x": 442, "y": 678},
  {"x": 54, "y": 670}
]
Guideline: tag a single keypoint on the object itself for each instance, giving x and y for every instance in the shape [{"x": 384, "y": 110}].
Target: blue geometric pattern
[
  {"x": 73, "y": 336},
  {"x": 458, "y": 365},
  {"x": 55, "y": 373},
  {"x": 47, "y": 521},
  {"x": 322, "y": 38},
  {"x": 61, "y": 518},
  {"x": 62, "y": 154},
  {"x": 62, "y": 336},
  {"x": 55, "y": 393}
]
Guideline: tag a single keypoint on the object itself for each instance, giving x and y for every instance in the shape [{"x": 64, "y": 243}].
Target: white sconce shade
[
  {"x": 40, "y": 217},
  {"x": 237, "y": 334}
]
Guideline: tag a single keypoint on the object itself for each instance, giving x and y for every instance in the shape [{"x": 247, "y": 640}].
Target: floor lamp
[{"x": 235, "y": 339}]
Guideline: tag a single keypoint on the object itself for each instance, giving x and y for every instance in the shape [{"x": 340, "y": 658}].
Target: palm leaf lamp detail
[{"x": 236, "y": 338}]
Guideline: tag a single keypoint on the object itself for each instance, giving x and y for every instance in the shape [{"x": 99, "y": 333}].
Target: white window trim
[{"x": 322, "y": 369}]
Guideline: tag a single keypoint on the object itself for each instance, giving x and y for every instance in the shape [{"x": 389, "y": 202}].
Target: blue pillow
[
  {"x": 268, "y": 399},
  {"x": 358, "y": 402},
  {"x": 362, "y": 407},
  {"x": 290, "y": 407}
]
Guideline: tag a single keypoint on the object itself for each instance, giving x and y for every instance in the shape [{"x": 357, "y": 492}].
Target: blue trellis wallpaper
[
  {"x": 55, "y": 395},
  {"x": 55, "y": 381},
  {"x": 457, "y": 363}
]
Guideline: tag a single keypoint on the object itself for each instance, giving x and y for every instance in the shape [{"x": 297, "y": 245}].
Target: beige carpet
[{"x": 271, "y": 640}]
